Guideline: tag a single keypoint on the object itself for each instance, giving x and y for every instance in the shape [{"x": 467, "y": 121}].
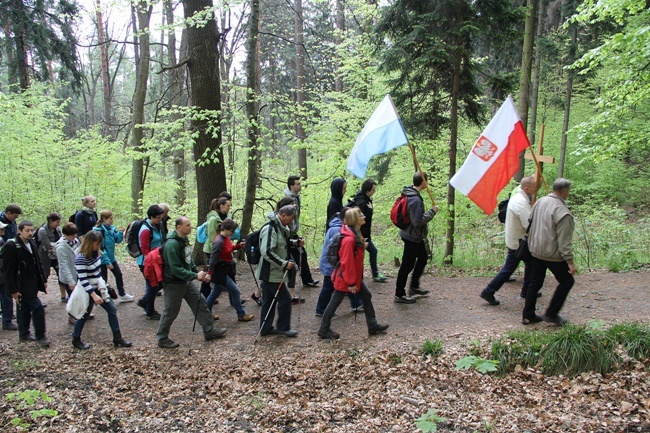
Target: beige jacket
[
  {"x": 551, "y": 232},
  {"x": 517, "y": 218}
]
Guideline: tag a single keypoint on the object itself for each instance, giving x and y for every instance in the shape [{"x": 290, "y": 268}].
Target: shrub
[
  {"x": 432, "y": 348},
  {"x": 634, "y": 337}
]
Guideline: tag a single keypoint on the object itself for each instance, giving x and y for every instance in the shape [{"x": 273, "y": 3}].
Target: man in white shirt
[{"x": 519, "y": 208}]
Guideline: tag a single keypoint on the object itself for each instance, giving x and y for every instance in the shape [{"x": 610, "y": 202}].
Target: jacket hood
[
  {"x": 410, "y": 191},
  {"x": 174, "y": 235},
  {"x": 335, "y": 222},
  {"x": 337, "y": 188},
  {"x": 360, "y": 197}
]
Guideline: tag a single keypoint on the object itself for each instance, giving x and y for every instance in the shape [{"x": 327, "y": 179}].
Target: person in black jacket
[
  {"x": 9, "y": 217},
  {"x": 6, "y": 301},
  {"x": 24, "y": 278},
  {"x": 86, "y": 218},
  {"x": 363, "y": 200},
  {"x": 338, "y": 187}
]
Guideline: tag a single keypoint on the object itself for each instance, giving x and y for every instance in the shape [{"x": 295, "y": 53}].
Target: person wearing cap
[{"x": 6, "y": 301}]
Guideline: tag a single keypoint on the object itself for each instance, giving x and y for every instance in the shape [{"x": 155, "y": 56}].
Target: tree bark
[
  {"x": 567, "y": 101},
  {"x": 252, "y": 113},
  {"x": 532, "y": 124},
  {"x": 203, "y": 68},
  {"x": 300, "y": 85},
  {"x": 340, "y": 26},
  {"x": 143, "y": 13},
  {"x": 103, "y": 55},
  {"x": 453, "y": 145},
  {"x": 524, "y": 78}
]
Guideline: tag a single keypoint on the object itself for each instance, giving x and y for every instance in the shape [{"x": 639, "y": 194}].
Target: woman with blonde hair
[
  {"x": 88, "y": 267},
  {"x": 348, "y": 275},
  {"x": 86, "y": 218}
]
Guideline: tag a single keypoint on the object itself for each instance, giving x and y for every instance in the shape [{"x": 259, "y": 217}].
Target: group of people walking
[{"x": 82, "y": 252}]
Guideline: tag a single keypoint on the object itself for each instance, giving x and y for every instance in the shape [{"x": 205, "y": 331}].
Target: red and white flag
[{"x": 494, "y": 159}]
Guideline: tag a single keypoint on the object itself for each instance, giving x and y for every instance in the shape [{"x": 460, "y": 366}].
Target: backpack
[
  {"x": 36, "y": 238},
  {"x": 202, "y": 233},
  {"x": 72, "y": 217},
  {"x": 154, "y": 266},
  {"x": 503, "y": 210},
  {"x": 132, "y": 238},
  {"x": 333, "y": 249},
  {"x": 399, "y": 213},
  {"x": 252, "y": 246}
]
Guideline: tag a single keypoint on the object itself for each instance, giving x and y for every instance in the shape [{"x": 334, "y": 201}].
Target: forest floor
[{"x": 355, "y": 384}]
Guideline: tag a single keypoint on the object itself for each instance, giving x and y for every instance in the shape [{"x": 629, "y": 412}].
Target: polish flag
[{"x": 494, "y": 159}]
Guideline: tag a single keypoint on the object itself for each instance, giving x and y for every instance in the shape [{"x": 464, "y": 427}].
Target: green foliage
[
  {"x": 519, "y": 347},
  {"x": 432, "y": 348},
  {"x": 634, "y": 337},
  {"x": 482, "y": 365},
  {"x": 26, "y": 400},
  {"x": 429, "y": 421}
]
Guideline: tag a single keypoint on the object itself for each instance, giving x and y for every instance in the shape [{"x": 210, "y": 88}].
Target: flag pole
[
  {"x": 417, "y": 167},
  {"x": 537, "y": 166}
]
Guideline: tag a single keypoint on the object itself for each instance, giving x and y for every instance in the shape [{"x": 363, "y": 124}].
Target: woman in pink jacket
[{"x": 348, "y": 275}]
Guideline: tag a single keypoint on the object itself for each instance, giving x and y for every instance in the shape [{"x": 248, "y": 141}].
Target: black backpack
[
  {"x": 132, "y": 239},
  {"x": 503, "y": 210},
  {"x": 252, "y": 245}
]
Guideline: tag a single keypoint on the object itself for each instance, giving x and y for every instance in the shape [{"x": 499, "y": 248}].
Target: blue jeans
[
  {"x": 150, "y": 293},
  {"x": 233, "y": 293},
  {"x": 30, "y": 310},
  {"x": 270, "y": 296},
  {"x": 372, "y": 253},
  {"x": 326, "y": 294},
  {"x": 508, "y": 268},
  {"x": 117, "y": 273},
  {"x": 110, "y": 309},
  {"x": 7, "y": 307}
]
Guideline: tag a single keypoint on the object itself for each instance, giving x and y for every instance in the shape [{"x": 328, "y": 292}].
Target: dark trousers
[
  {"x": 7, "y": 303},
  {"x": 111, "y": 311},
  {"x": 561, "y": 273},
  {"x": 150, "y": 293},
  {"x": 299, "y": 255},
  {"x": 414, "y": 258},
  {"x": 283, "y": 303},
  {"x": 372, "y": 254},
  {"x": 325, "y": 296},
  {"x": 117, "y": 273},
  {"x": 30, "y": 310},
  {"x": 206, "y": 289},
  {"x": 508, "y": 268},
  {"x": 337, "y": 298}
]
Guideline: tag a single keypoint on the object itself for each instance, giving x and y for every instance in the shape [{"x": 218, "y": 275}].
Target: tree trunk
[
  {"x": 103, "y": 55},
  {"x": 21, "y": 50},
  {"x": 139, "y": 96},
  {"x": 524, "y": 78},
  {"x": 252, "y": 113},
  {"x": 453, "y": 144},
  {"x": 9, "y": 53},
  {"x": 567, "y": 101},
  {"x": 300, "y": 86},
  {"x": 203, "y": 65},
  {"x": 340, "y": 26},
  {"x": 175, "y": 87},
  {"x": 532, "y": 124}
]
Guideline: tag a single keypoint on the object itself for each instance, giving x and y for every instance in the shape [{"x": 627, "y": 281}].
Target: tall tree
[
  {"x": 106, "y": 79},
  {"x": 300, "y": 86}
]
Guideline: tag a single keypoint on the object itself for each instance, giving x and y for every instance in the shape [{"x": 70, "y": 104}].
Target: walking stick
[
  {"x": 196, "y": 313},
  {"x": 275, "y": 297}
]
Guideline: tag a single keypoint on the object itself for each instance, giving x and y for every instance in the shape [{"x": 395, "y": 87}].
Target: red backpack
[{"x": 399, "y": 213}]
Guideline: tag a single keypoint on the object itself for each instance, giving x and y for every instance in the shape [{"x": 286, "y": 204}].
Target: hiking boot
[
  {"x": 319, "y": 314},
  {"x": 329, "y": 335},
  {"x": 312, "y": 283},
  {"x": 215, "y": 333},
  {"x": 489, "y": 298},
  {"x": 522, "y": 295},
  {"x": 377, "y": 329},
  {"x": 418, "y": 291},
  {"x": 215, "y": 316},
  {"x": 403, "y": 300},
  {"x": 78, "y": 344},
  {"x": 153, "y": 316},
  {"x": 287, "y": 333},
  {"x": 167, "y": 344},
  {"x": 44, "y": 342},
  {"x": 27, "y": 338},
  {"x": 296, "y": 300},
  {"x": 9, "y": 327},
  {"x": 379, "y": 278},
  {"x": 257, "y": 299},
  {"x": 531, "y": 320},
  {"x": 557, "y": 320},
  {"x": 119, "y": 341},
  {"x": 126, "y": 298},
  {"x": 246, "y": 318},
  {"x": 142, "y": 304}
]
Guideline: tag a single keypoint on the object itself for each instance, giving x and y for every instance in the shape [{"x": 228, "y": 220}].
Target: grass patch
[
  {"x": 519, "y": 348},
  {"x": 432, "y": 348},
  {"x": 634, "y": 337}
]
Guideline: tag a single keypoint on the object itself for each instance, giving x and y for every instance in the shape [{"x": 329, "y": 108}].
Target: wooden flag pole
[
  {"x": 538, "y": 168},
  {"x": 417, "y": 167}
]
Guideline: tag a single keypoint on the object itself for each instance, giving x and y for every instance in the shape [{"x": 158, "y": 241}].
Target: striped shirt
[{"x": 88, "y": 271}]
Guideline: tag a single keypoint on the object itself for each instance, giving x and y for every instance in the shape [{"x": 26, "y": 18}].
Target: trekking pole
[
  {"x": 196, "y": 313},
  {"x": 298, "y": 271},
  {"x": 275, "y": 297},
  {"x": 254, "y": 278}
]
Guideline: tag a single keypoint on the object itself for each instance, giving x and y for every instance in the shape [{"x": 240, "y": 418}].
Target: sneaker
[
  {"x": 9, "y": 327},
  {"x": 403, "y": 300},
  {"x": 557, "y": 320},
  {"x": 215, "y": 333},
  {"x": 246, "y": 318},
  {"x": 379, "y": 278},
  {"x": 287, "y": 333},
  {"x": 531, "y": 320},
  {"x": 312, "y": 283},
  {"x": 168, "y": 344},
  {"x": 91, "y": 316},
  {"x": 489, "y": 298},
  {"x": 126, "y": 298},
  {"x": 377, "y": 329},
  {"x": 329, "y": 335},
  {"x": 64, "y": 298},
  {"x": 257, "y": 299},
  {"x": 153, "y": 316},
  {"x": 296, "y": 300},
  {"x": 44, "y": 342},
  {"x": 418, "y": 291}
]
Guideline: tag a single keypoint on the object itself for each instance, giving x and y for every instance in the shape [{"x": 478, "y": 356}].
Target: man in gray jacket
[
  {"x": 274, "y": 248},
  {"x": 550, "y": 244},
  {"x": 415, "y": 255}
]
